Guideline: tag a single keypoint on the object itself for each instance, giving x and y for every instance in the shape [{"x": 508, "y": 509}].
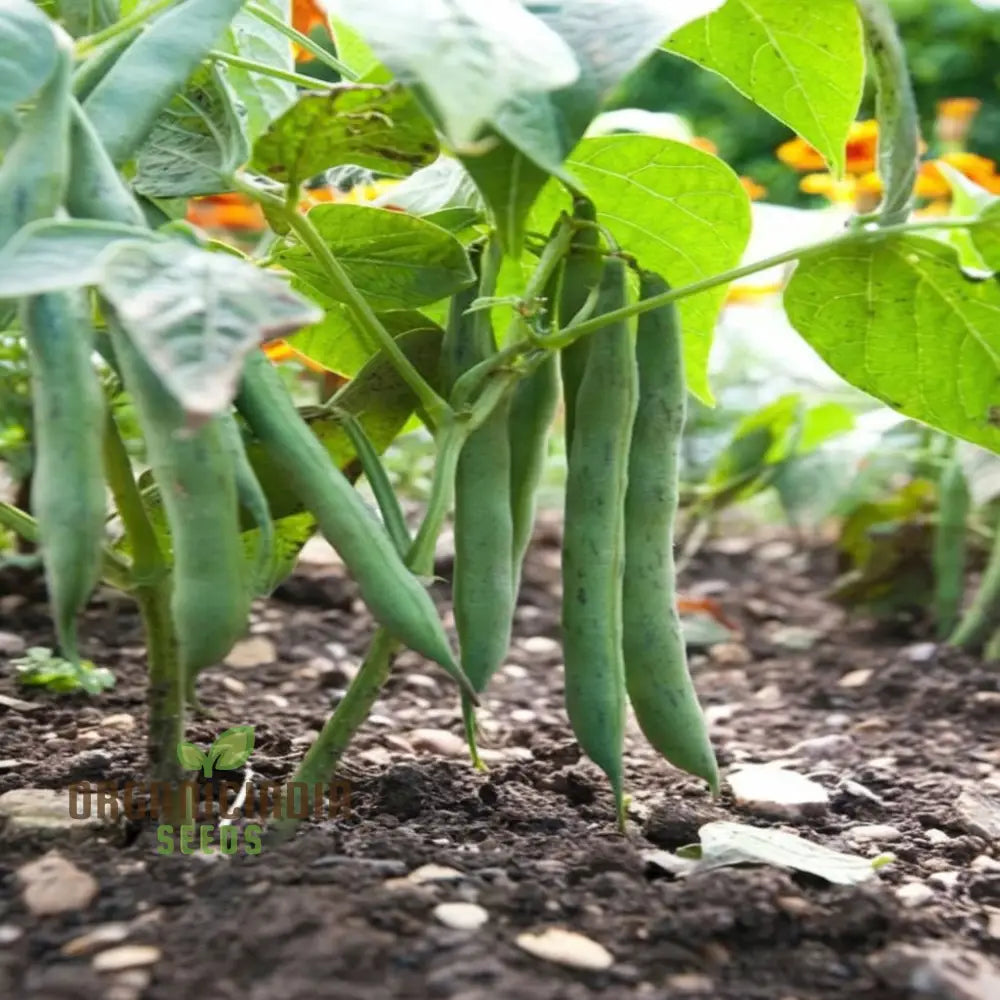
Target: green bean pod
[
  {"x": 532, "y": 411},
  {"x": 394, "y": 595},
  {"x": 656, "y": 671},
  {"x": 579, "y": 275},
  {"x": 35, "y": 170},
  {"x": 593, "y": 557},
  {"x": 125, "y": 103},
  {"x": 210, "y": 598},
  {"x": 254, "y": 502},
  {"x": 67, "y": 487},
  {"x": 96, "y": 189},
  {"x": 483, "y": 588}
]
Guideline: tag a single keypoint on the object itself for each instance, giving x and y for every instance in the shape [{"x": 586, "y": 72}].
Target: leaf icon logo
[{"x": 231, "y": 749}]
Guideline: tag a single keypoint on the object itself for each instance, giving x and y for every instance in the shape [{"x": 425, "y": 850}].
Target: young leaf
[
  {"x": 197, "y": 143},
  {"x": 800, "y": 61},
  {"x": 680, "y": 211},
  {"x": 380, "y": 128},
  {"x": 232, "y": 749},
  {"x": 27, "y": 52},
  {"x": 468, "y": 57},
  {"x": 986, "y": 235},
  {"x": 899, "y": 320},
  {"x": 395, "y": 260},
  {"x": 195, "y": 315},
  {"x": 263, "y": 97},
  {"x": 190, "y": 756},
  {"x": 534, "y": 130}
]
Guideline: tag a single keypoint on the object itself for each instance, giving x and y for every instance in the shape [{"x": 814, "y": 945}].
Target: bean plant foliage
[{"x": 516, "y": 265}]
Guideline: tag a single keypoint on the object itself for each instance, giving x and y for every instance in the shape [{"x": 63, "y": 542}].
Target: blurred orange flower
[
  {"x": 281, "y": 350},
  {"x": 705, "y": 145},
  {"x": 954, "y": 119},
  {"x": 861, "y": 150},
  {"x": 981, "y": 170},
  {"x": 234, "y": 212},
  {"x": 753, "y": 189},
  {"x": 306, "y": 15}
]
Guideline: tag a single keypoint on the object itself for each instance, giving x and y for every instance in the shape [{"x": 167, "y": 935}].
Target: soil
[{"x": 331, "y": 913}]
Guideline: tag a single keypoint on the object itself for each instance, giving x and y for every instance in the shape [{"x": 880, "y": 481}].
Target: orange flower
[
  {"x": 226, "y": 211},
  {"x": 841, "y": 192},
  {"x": 705, "y": 145},
  {"x": 981, "y": 170},
  {"x": 306, "y": 15},
  {"x": 954, "y": 119},
  {"x": 280, "y": 350},
  {"x": 753, "y": 189},
  {"x": 861, "y": 149}
]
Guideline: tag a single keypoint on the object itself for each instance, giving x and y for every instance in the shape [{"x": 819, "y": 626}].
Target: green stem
[
  {"x": 148, "y": 564},
  {"x": 166, "y": 682},
  {"x": 115, "y": 572},
  {"x": 302, "y": 40},
  {"x": 847, "y": 238},
  {"x": 895, "y": 111},
  {"x": 136, "y": 19},
  {"x": 983, "y": 617},
  {"x": 264, "y": 70},
  {"x": 950, "y": 540},
  {"x": 435, "y": 408}
]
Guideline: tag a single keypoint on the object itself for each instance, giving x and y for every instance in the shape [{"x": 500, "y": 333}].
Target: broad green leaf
[
  {"x": 899, "y": 320},
  {"x": 27, "y": 52},
  {"x": 467, "y": 57},
  {"x": 395, "y": 260},
  {"x": 339, "y": 345},
  {"x": 986, "y": 235},
  {"x": 290, "y": 535},
  {"x": 197, "y": 143},
  {"x": 800, "y": 61},
  {"x": 195, "y": 315},
  {"x": 968, "y": 200},
  {"x": 377, "y": 127},
  {"x": 380, "y": 400},
  {"x": 190, "y": 756},
  {"x": 679, "y": 211},
  {"x": 52, "y": 256},
  {"x": 263, "y": 97},
  {"x": 233, "y": 747},
  {"x": 534, "y": 131}
]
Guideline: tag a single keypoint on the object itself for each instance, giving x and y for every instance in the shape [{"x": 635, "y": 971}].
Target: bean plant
[{"x": 521, "y": 266}]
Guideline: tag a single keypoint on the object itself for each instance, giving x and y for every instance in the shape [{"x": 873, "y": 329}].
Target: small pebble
[
  {"x": 11, "y": 644},
  {"x": 730, "y": 654},
  {"x": 52, "y": 885},
  {"x": 914, "y": 894},
  {"x": 440, "y": 741},
  {"x": 944, "y": 880},
  {"x": 691, "y": 983},
  {"x": 433, "y": 873},
  {"x": 936, "y": 837},
  {"x": 256, "y": 651},
  {"x": 99, "y": 937},
  {"x": 461, "y": 916},
  {"x": 856, "y": 678},
  {"x": 9, "y": 934},
  {"x": 121, "y": 721},
  {"x": 233, "y": 684},
  {"x": 566, "y": 948},
  {"x": 872, "y": 833},
  {"x": 775, "y": 791},
  {"x": 128, "y": 956}
]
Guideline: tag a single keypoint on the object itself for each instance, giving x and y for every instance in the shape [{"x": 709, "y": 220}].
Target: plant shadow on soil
[{"x": 330, "y": 913}]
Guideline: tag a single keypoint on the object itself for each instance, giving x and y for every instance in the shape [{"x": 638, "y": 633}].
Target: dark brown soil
[{"x": 329, "y": 914}]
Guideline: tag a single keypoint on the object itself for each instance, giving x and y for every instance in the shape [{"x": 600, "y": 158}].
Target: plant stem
[
  {"x": 983, "y": 617},
  {"x": 302, "y": 40},
  {"x": 949, "y": 541},
  {"x": 115, "y": 571},
  {"x": 136, "y": 19},
  {"x": 166, "y": 682},
  {"x": 895, "y": 111},
  {"x": 148, "y": 564},
  {"x": 435, "y": 408},
  {"x": 847, "y": 238},
  {"x": 264, "y": 70}
]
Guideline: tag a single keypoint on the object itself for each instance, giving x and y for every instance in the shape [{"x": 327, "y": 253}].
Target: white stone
[
  {"x": 101, "y": 936},
  {"x": 11, "y": 644},
  {"x": 256, "y": 651},
  {"x": 128, "y": 956},
  {"x": 41, "y": 810},
  {"x": 9, "y": 934},
  {"x": 433, "y": 873},
  {"x": 873, "y": 833},
  {"x": 461, "y": 916},
  {"x": 51, "y": 885},
  {"x": 566, "y": 948},
  {"x": 856, "y": 678},
  {"x": 936, "y": 837},
  {"x": 776, "y": 791},
  {"x": 121, "y": 721},
  {"x": 914, "y": 894},
  {"x": 440, "y": 741}
]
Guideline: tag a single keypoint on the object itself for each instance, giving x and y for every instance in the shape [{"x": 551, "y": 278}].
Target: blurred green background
[{"x": 953, "y": 49}]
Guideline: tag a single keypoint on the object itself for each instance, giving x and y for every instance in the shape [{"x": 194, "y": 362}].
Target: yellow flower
[
  {"x": 980, "y": 170},
  {"x": 861, "y": 149},
  {"x": 954, "y": 119}
]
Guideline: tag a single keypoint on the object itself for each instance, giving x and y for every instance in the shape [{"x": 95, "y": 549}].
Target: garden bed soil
[{"x": 332, "y": 913}]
